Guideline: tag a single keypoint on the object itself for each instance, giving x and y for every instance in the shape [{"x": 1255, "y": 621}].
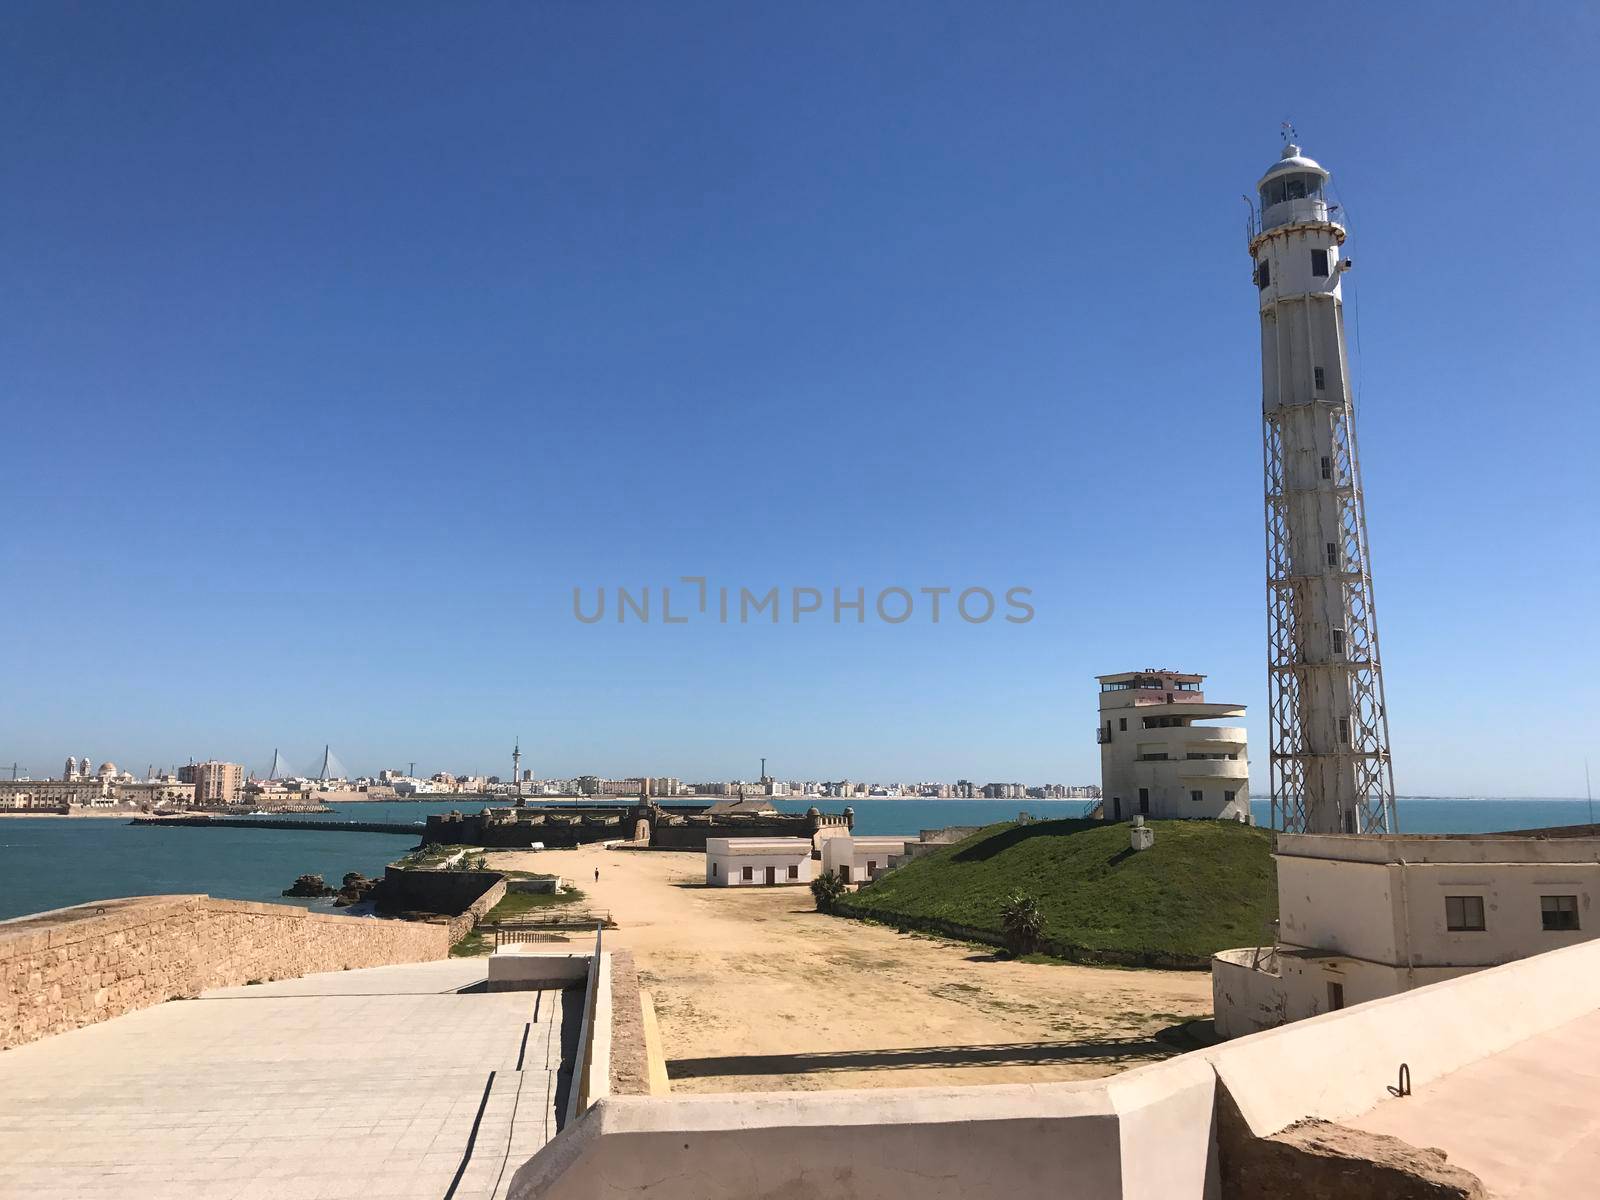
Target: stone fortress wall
[
  {"x": 661, "y": 827},
  {"x": 77, "y": 966}
]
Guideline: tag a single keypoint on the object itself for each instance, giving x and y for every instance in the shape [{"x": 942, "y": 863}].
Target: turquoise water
[{"x": 47, "y": 863}]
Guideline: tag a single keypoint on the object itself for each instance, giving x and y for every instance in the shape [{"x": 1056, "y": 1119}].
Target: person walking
[{"x": 597, "y": 874}]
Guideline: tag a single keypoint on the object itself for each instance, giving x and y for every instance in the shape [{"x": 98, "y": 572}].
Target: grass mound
[{"x": 1204, "y": 886}]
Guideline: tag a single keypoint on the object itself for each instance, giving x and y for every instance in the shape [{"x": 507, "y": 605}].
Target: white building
[
  {"x": 758, "y": 862},
  {"x": 862, "y": 859},
  {"x": 1360, "y": 917},
  {"x": 1156, "y": 762}
]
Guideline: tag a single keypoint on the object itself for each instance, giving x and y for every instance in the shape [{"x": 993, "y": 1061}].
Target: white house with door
[
  {"x": 860, "y": 859},
  {"x": 758, "y": 862},
  {"x": 1365, "y": 916}
]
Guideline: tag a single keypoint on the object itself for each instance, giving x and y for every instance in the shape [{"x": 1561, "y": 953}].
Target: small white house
[
  {"x": 1365, "y": 916},
  {"x": 758, "y": 862},
  {"x": 859, "y": 859}
]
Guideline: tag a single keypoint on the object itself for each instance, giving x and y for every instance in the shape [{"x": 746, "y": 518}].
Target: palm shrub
[
  {"x": 1022, "y": 923},
  {"x": 827, "y": 889}
]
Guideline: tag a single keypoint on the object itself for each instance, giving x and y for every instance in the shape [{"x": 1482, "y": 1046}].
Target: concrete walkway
[{"x": 387, "y": 1082}]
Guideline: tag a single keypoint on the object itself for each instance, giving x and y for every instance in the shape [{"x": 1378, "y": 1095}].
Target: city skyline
[{"x": 330, "y": 396}]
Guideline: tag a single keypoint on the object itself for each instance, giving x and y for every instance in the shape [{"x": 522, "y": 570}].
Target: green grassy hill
[{"x": 1204, "y": 886}]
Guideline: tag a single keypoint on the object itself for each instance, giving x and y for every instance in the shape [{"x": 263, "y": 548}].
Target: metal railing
[{"x": 511, "y": 936}]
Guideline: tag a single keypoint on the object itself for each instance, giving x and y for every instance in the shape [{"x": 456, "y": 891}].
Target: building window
[
  {"x": 1344, "y": 731},
  {"x": 872, "y": 865},
  {"x": 749, "y": 874},
  {"x": 1263, "y": 274},
  {"x": 1333, "y": 554},
  {"x": 1338, "y": 641},
  {"x": 1144, "y": 800},
  {"x": 1227, "y": 797},
  {"x": 1319, "y": 378},
  {"x": 1122, "y": 724},
  {"x": 1197, "y": 796},
  {"x": 1464, "y": 914},
  {"x": 794, "y": 871},
  {"x": 1559, "y": 912},
  {"x": 1335, "y": 996},
  {"x": 1319, "y": 263},
  {"x": 1327, "y": 467},
  {"x": 716, "y": 868}
]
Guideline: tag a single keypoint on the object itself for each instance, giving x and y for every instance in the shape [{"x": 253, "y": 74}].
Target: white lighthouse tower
[{"x": 1329, "y": 744}]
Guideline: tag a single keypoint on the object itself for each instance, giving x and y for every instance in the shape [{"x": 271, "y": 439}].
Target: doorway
[
  {"x": 772, "y": 876},
  {"x": 1144, "y": 801},
  {"x": 1116, "y": 808}
]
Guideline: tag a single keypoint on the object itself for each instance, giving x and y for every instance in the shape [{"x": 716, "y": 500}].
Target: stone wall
[
  {"x": 81, "y": 965},
  {"x": 416, "y": 889}
]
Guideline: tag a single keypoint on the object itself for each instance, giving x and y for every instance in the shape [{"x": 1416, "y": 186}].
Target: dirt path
[{"x": 755, "y": 990}]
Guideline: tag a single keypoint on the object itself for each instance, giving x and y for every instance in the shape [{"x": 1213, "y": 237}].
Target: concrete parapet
[
  {"x": 973, "y": 1143},
  {"x": 521, "y": 968}
]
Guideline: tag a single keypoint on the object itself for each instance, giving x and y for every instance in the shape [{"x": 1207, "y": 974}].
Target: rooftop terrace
[{"x": 398, "y": 1081}]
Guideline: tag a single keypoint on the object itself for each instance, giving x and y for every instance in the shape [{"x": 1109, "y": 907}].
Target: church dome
[{"x": 107, "y": 768}]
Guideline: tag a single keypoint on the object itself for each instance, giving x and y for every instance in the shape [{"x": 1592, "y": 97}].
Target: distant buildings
[
  {"x": 217, "y": 782},
  {"x": 83, "y": 788},
  {"x": 1155, "y": 761}
]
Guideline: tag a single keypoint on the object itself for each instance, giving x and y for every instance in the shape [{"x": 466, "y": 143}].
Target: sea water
[{"x": 55, "y": 862}]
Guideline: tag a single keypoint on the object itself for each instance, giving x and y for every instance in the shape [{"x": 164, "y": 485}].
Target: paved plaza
[{"x": 401, "y": 1081}]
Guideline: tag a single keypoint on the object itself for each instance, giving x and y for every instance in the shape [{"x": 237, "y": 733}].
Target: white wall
[
  {"x": 727, "y": 858},
  {"x": 1144, "y": 1135},
  {"x": 858, "y": 853}
]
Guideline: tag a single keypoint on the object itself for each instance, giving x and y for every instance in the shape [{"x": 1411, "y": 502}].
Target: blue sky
[{"x": 341, "y": 342}]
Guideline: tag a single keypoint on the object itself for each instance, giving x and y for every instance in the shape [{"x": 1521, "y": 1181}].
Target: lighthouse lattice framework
[{"x": 1329, "y": 748}]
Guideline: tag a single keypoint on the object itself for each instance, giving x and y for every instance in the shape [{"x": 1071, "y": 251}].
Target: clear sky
[{"x": 340, "y": 342}]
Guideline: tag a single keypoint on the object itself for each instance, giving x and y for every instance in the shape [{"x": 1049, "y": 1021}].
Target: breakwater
[{"x": 280, "y": 823}]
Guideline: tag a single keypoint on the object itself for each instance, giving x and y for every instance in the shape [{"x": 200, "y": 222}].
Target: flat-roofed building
[
  {"x": 1156, "y": 762},
  {"x": 217, "y": 782},
  {"x": 1366, "y": 916},
  {"x": 861, "y": 859},
  {"x": 758, "y": 862}
]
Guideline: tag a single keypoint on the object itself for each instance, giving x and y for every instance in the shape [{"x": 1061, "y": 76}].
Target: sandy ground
[{"x": 756, "y": 990}]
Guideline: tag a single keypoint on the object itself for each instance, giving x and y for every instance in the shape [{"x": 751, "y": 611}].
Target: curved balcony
[{"x": 1213, "y": 768}]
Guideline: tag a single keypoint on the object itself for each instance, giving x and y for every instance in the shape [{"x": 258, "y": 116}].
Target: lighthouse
[{"x": 1329, "y": 741}]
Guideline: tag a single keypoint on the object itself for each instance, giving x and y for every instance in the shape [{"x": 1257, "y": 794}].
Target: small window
[
  {"x": 1344, "y": 731},
  {"x": 1327, "y": 467},
  {"x": 1338, "y": 641},
  {"x": 1464, "y": 914},
  {"x": 1319, "y": 378},
  {"x": 749, "y": 873},
  {"x": 1559, "y": 912},
  {"x": 1333, "y": 554},
  {"x": 1122, "y": 724},
  {"x": 1335, "y": 996},
  {"x": 1319, "y": 263},
  {"x": 1144, "y": 800},
  {"x": 794, "y": 871},
  {"x": 872, "y": 865},
  {"x": 1197, "y": 796},
  {"x": 716, "y": 868},
  {"x": 1263, "y": 274},
  {"x": 1227, "y": 797}
]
